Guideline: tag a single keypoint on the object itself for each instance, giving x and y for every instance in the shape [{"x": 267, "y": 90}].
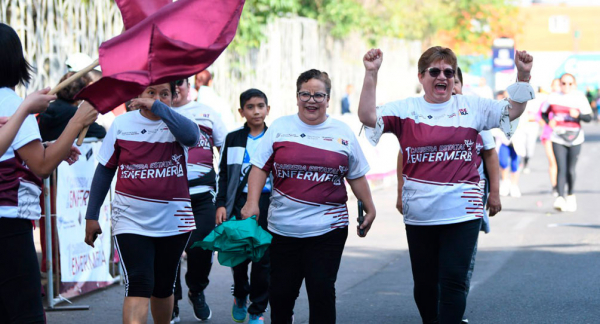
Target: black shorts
[{"x": 150, "y": 263}]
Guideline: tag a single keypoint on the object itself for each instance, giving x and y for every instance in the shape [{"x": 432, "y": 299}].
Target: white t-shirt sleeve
[
  {"x": 584, "y": 105},
  {"x": 264, "y": 151},
  {"x": 28, "y": 133},
  {"x": 373, "y": 134},
  {"x": 107, "y": 155},
  {"x": 357, "y": 164},
  {"x": 491, "y": 112},
  {"x": 219, "y": 131},
  {"x": 488, "y": 140}
]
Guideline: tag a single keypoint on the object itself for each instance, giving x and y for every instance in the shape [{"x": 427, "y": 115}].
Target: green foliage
[{"x": 464, "y": 20}]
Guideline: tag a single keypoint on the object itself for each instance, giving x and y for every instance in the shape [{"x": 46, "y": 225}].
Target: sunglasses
[
  {"x": 179, "y": 83},
  {"x": 435, "y": 72},
  {"x": 318, "y": 96}
]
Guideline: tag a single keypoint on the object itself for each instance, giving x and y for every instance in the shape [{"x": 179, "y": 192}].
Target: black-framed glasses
[
  {"x": 179, "y": 83},
  {"x": 318, "y": 96},
  {"x": 434, "y": 72}
]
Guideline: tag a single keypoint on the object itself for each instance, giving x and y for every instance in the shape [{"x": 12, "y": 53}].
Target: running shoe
[
  {"x": 175, "y": 316},
  {"x": 239, "y": 310},
  {"x": 256, "y": 319},
  {"x": 571, "y": 203},
  {"x": 201, "y": 310},
  {"x": 514, "y": 191},
  {"x": 560, "y": 204}
]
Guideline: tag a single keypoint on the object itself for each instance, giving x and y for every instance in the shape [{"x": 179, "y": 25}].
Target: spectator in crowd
[
  {"x": 54, "y": 120},
  {"x": 346, "y": 99},
  {"x": 208, "y": 96}
]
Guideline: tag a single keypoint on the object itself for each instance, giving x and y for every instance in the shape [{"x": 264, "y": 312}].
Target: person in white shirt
[
  {"x": 23, "y": 162},
  {"x": 442, "y": 199},
  {"x": 310, "y": 155},
  {"x": 202, "y": 184}
]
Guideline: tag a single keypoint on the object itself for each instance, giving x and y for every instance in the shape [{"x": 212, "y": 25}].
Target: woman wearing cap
[{"x": 441, "y": 198}]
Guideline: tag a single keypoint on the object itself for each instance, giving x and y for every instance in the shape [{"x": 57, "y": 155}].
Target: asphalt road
[{"x": 536, "y": 266}]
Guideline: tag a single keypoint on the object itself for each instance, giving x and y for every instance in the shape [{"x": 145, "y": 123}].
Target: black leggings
[
  {"x": 316, "y": 259},
  {"x": 566, "y": 161},
  {"x": 20, "y": 282},
  {"x": 150, "y": 263},
  {"x": 440, "y": 257}
]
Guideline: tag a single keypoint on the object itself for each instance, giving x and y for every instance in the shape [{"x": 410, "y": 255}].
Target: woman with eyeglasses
[
  {"x": 569, "y": 108},
  {"x": 309, "y": 155},
  {"x": 152, "y": 215},
  {"x": 441, "y": 197}
]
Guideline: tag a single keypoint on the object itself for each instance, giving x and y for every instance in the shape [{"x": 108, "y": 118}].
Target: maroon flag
[
  {"x": 180, "y": 40},
  {"x": 134, "y": 11}
]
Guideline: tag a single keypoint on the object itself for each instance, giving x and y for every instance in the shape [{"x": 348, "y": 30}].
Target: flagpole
[{"x": 65, "y": 83}]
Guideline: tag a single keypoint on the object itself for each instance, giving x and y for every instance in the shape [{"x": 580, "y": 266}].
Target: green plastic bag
[{"x": 236, "y": 241}]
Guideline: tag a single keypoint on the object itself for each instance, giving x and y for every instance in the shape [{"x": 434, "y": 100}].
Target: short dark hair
[
  {"x": 68, "y": 93},
  {"x": 173, "y": 86},
  {"x": 14, "y": 69},
  {"x": 252, "y": 93},
  {"x": 314, "y": 74},
  {"x": 459, "y": 74},
  {"x": 434, "y": 54}
]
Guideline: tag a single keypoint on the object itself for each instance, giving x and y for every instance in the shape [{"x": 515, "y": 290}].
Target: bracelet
[{"x": 523, "y": 80}]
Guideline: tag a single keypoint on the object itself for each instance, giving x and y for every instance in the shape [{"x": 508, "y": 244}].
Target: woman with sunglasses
[
  {"x": 309, "y": 155},
  {"x": 569, "y": 108},
  {"x": 441, "y": 198},
  {"x": 152, "y": 215}
]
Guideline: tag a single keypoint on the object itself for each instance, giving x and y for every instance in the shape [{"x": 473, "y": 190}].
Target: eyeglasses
[
  {"x": 434, "y": 72},
  {"x": 305, "y": 96},
  {"x": 179, "y": 83}
]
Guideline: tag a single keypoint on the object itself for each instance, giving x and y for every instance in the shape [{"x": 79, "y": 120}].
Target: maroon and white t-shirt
[
  {"x": 20, "y": 188},
  {"x": 560, "y": 105},
  {"x": 309, "y": 164},
  {"x": 151, "y": 195},
  {"x": 212, "y": 133},
  {"x": 441, "y": 181}
]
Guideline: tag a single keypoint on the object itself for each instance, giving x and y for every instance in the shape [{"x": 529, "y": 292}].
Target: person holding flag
[{"x": 22, "y": 162}]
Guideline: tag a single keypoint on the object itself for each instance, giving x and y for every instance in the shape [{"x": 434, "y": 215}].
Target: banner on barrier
[{"x": 82, "y": 267}]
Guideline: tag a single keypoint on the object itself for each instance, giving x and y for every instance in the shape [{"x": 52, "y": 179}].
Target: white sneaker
[
  {"x": 571, "y": 203},
  {"x": 504, "y": 188},
  {"x": 514, "y": 191},
  {"x": 560, "y": 204}
]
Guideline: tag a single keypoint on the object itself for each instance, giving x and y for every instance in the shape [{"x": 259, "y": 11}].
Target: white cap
[{"x": 79, "y": 61}]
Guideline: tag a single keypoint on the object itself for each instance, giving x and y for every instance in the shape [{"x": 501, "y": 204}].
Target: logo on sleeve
[
  {"x": 343, "y": 141},
  {"x": 463, "y": 111}
]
